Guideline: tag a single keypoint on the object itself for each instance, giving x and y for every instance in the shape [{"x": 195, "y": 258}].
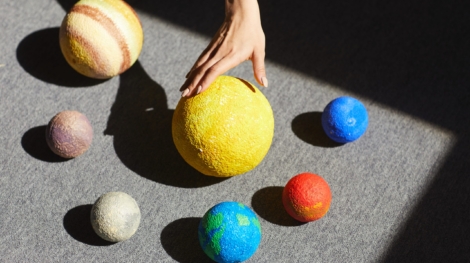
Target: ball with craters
[
  {"x": 229, "y": 232},
  {"x": 345, "y": 119},
  {"x": 115, "y": 216},
  {"x": 307, "y": 197},
  {"x": 69, "y": 134}
]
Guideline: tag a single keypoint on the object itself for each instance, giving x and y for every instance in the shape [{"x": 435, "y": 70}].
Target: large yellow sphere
[
  {"x": 226, "y": 130},
  {"x": 101, "y": 38}
]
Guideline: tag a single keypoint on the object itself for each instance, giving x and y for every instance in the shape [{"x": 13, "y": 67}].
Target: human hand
[{"x": 240, "y": 38}]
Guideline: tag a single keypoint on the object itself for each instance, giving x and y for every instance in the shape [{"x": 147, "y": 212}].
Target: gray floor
[{"x": 400, "y": 193}]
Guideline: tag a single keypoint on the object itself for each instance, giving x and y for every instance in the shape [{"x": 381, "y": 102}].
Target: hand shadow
[
  {"x": 180, "y": 240},
  {"x": 140, "y": 122},
  {"x": 307, "y": 126},
  {"x": 267, "y": 203},
  {"x": 39, "y": 54},
  {"x": 78, "y": 225}
]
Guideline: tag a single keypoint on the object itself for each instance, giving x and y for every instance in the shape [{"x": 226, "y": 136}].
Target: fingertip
[
  {"x": 185, "y": 93},
  {"x": 264, "y": 82},
  {"x": 260, "y": 71},
  {"x": 206, "y": 81},
  {"x": 261, "y": 79}
]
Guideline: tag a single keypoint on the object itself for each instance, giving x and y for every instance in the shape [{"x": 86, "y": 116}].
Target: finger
[
  {"x": 201, "y": 59},
  {"x": 259, "y": 69},
  {"x": 208, "y": 52},
  {"x": 206, "y": 60},
  {"x": 216, "y": 70},
  {"x": 193, "y": 81}
]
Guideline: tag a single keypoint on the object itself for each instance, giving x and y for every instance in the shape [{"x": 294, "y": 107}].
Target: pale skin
[{"x": 240, "y": 38}]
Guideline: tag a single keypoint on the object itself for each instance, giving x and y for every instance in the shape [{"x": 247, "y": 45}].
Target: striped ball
[{"x": 101, "y": 38}]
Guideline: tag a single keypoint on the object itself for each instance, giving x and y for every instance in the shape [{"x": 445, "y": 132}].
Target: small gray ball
[{"x": 115, "y": 216}]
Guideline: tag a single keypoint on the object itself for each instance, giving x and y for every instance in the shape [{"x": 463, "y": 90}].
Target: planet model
[
  {"x": 69, "y": 134},
  {"x": 226, "y": 130},
  {"x": 229, "y": 232},
  {"x": 306, "y": 197},
  {"x": 115, "y": 216},
  {"x": 101, "y": 38},
  {"x": 344, "y": 119}
]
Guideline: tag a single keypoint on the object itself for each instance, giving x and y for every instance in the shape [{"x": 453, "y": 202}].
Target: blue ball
[
  {"x": 344, "y": 119},
  {"x": 229, "y": 232}
]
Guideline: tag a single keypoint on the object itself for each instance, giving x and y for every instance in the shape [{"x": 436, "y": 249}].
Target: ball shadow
[
  {"x": 267, "y": 203},
  {"x": 67, "y": 4},
  {"x": 307, "y": 126},
  {"x": 39, "y": 54},
  {"x": 34, "y": 143},
  {"x": 78, "y": 225},
  {"x": 180, "y": 240},
  {"x": 140, "y": 123}
]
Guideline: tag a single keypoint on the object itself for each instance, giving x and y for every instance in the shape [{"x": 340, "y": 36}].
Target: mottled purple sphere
[{"x": 69, "y": 134}]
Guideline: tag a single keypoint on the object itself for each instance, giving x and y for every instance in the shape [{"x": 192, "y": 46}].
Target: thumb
[{"x": 259, "y": 69}]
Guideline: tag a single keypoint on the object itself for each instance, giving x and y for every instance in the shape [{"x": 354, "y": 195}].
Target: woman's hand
[{"x": 240, "y": 38}]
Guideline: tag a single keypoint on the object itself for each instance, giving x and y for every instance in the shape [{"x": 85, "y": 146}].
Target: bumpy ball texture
[
  {"x": 115, "y": 216},
  {"x": 345, "y": 119},
  {"x": 306, "y": 197},
  {"x": 69, "y": 134},
  {"x": 101, "y": 38},
  {"x": 229, "y": 232},
  {"x": 226, "y": 130}
]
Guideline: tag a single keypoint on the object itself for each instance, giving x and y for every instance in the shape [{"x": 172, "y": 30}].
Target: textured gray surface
[{"x": 400, "y": 193}]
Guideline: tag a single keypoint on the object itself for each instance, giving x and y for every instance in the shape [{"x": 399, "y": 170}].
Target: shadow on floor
[
  {"x": 180, "y": 240},
  {"x": 140, "y": 123},
  {"x": 438, "y": 228},
  {"x": 267, "y": 203},
  {"x": 307, "y": 126},
  {"x": 39, "y": 54},
  {"x": 78, "y": 225},
  {"x": 34, "y": 143}
]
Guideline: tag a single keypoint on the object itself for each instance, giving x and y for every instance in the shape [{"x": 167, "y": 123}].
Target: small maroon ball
[{"x": 69, "y": 134}]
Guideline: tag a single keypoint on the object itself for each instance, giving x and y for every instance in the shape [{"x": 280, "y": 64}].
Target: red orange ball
[{"x": 306, "y": 197}]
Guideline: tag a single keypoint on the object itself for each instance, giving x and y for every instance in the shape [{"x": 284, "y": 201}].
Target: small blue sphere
[
  {"x": 229, "y": 232},
  {"x": 344, "y": 119}
]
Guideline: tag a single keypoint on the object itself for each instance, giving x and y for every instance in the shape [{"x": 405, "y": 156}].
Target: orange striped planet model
[{"x": 101, "y": 38}]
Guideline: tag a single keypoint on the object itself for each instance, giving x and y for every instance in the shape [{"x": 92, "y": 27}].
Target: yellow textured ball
[
  {"x": 226, "y": 130},
  {"x": 101, "y": 38}
]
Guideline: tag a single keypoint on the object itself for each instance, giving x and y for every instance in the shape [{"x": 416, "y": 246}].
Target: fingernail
[
  {"x": 199, "y": 89},
  {"x": 185, "y": 92},
  {"x": 264, "y": 81}
]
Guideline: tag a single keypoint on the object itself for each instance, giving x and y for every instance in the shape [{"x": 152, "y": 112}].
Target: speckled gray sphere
[
  {"x": 115, "y": 216},
  {"x": 69, "y": 134}
]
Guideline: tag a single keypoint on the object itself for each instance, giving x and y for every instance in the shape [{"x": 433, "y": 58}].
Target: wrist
[{"x": 241, "y": 8}]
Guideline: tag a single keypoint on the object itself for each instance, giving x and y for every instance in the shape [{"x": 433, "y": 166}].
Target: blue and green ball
[{"x": 229, "y": 232}]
